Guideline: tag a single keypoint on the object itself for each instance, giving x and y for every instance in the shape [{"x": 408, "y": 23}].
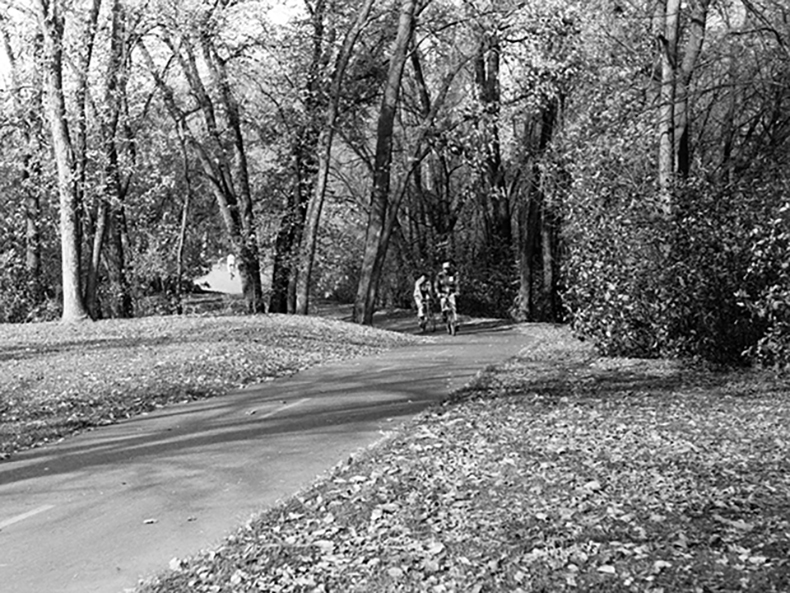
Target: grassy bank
[
  {"x": 558, "y": 471},
  {"x": 59, "y": 379}
]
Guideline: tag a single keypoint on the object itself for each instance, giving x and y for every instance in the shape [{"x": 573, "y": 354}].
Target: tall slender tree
[
  {"x": 304, "y": 149},
  {"x": 309, "y": 238},
  {"x": 52, "y": 25},
  {"x": 375, "y": 242},
  {"x": 110, "y": 212}
]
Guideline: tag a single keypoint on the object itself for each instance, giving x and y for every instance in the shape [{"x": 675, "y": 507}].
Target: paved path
[{"x": 101, "y": 510}]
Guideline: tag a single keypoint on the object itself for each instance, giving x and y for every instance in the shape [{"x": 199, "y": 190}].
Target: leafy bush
[
  {"x": 22, "y": 297},
  {"x": 705, "y": 271},
  {"x": 15, "y": 303},
  {"x": 611, "y": 269},
  {"x": 766, "y": 290},
  {"x": 698, "y": 284}
]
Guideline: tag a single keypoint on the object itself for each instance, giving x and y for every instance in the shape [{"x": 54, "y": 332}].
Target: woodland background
[{"x": 620, "y": 165}]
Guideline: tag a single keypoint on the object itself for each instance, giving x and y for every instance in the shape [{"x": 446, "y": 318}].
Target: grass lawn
[
  {"x": 557, "y": 471},
  {"x": 58, "y": 379}
]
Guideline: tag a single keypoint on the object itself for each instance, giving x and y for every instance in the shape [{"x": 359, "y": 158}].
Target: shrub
[
  {"x": 698, "y": 284},
  {"x": 766, "y": 289}
]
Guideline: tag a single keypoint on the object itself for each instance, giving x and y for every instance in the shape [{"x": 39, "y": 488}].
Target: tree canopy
[{"x": 614, "y": 164}]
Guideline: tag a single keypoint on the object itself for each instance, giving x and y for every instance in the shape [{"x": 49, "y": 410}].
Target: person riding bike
[
  {"x": 423, "y": 296},
  {"x": 447, "y": 289}
]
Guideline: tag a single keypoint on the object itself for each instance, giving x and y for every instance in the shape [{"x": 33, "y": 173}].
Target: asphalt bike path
[{"x": 101, "y": 510}]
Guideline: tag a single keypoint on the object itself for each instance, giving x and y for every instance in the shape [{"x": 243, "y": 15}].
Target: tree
[
  {"x": 223, "y": 155},
  {"x": 545, "y": 42},
  {"x": 52, "y": 23},
  {"x": 494, "y": 192},
  {"x": 324, "y": 152},
  {"x": 375, "y": 242},
  {"x": 305, "y": 142},
  {"x": 676, "y": 71},
  {"x": 110, "y": 217}
]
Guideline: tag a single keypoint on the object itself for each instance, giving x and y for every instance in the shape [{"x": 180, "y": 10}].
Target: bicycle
[
  {"x": 428, "y": 319},
  {"x": 449, "y": 313}
]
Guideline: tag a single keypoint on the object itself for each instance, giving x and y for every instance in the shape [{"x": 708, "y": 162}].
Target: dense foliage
[
  {"x": 531, "y": 145},
  {"x": 705, "y": 278}
]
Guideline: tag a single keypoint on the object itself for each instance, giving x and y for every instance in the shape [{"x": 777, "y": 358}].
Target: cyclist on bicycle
[
  {"x": 423, "y": 294},
  {"x": 447, "y": 289}
]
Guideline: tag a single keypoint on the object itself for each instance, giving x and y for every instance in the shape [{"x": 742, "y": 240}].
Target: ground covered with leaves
[
  {"x": 58, "y": 379},
  {"x": 558, "y": 471}
]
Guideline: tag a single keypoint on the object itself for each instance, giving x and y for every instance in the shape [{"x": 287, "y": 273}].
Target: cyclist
[
  {"x": 447, "y": 289},
  {"x": 423, "y": 295}
]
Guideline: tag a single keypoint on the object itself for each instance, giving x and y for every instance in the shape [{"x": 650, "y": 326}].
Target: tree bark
[
  {"x": 668, "y": 47},
  {"x": 499, "y": 234},
  {"x": 114, "y": 85},
  {"x": 52, "y": 25},
  {"x": 375, "y": 245}
]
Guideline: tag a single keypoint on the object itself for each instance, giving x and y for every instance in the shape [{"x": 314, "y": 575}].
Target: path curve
[{"x": 101, "y": 510}]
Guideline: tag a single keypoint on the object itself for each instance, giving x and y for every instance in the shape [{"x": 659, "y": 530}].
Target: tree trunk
[
  {"x": 80, "y": 143},
  {"x": 31, "y": 174},
  {"x": 289, "y": 236},
  {"x": 282, "y": 268},
  {"x": 375, "y": 242},
  {"x": 313, "y": 215},
  {"x": 668, "y": 47},
  {"x": 529, "y": 242},
  {"x": 536, "y": 227},
  {"x": 182, "y": 233},
  {"x": 113, "y": 191},
  {"x": 52, "y": 25},
  {"x": 122, "y": 303},
  {"x": 499, "y": 235},
  {"x": 283, "y": 297},
  {"x": 92, "y": 282}
]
